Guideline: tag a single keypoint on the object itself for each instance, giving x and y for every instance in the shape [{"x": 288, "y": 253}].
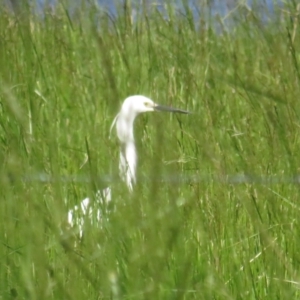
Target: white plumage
[{"x": 124, "y": 120}]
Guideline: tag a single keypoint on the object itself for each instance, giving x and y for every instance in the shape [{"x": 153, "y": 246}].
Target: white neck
[
  {"x": 128, "y": 156},
  {"x": 127, "y": 164}
]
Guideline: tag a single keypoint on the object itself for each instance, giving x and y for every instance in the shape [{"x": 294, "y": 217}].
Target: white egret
[{"x": 124, "y": 120}]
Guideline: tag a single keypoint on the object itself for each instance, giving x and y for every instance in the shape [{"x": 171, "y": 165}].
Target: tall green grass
[{"x": 63, "y": 78}]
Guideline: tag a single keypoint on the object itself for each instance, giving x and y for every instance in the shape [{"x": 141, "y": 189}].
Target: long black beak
[{"x": 170, "y": 109}]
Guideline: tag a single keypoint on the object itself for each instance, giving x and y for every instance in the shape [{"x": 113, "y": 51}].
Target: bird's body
[{"x": 124, "y": 121}]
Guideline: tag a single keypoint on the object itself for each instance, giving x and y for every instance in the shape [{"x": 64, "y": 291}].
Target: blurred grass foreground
[{"x": 63, "y": 77}]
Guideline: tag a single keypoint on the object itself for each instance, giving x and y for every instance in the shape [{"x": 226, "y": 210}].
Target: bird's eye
[{"x": 147, "y": 104}]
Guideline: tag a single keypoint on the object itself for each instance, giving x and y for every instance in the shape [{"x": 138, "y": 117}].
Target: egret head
[
  {"x": 131, "y": 107},
  {"x": 137, "y": 104}
]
